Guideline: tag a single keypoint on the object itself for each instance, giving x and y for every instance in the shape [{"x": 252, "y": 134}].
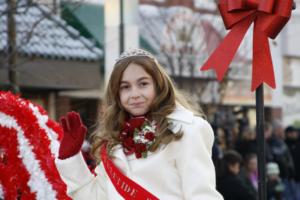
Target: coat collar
[{"x": 181, "y": 114}]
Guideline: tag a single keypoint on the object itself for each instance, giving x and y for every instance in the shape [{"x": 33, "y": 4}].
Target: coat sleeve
[
  {"x": 194, "y": 161},
  {"x": 81, "y": 183}
]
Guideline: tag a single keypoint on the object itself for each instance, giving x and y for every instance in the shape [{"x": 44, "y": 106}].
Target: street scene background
[{"x": 59, "y": 54}]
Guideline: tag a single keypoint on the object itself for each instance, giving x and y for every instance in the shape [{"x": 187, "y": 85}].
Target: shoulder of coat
[{"x": 181, "y": 114}]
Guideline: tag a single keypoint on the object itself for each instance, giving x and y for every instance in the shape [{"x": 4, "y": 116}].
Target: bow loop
[
  {"x": 252, "y": 4},
  {"x": 235, "y": 5},
  {"x": 233, "y": 12},
  {"x": 272, "y": 24},
  {"x": 266, "y": 6}
]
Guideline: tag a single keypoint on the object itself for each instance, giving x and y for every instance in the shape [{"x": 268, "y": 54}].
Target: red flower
[
  {"x": 149, "y": 136},
  {"x": 128, "y": 143},
  {"x": 140, "y": 147},
  {"x": 138, "y": 154},
  {"x": 134, "y": 123}
]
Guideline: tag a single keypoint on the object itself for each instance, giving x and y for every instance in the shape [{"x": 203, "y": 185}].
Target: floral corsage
[{"x": 137, "y": 136}]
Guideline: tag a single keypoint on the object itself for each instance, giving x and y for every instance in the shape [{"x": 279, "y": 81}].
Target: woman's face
[{"x": 137, "y": 90}]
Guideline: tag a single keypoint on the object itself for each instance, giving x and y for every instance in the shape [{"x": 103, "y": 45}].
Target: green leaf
[
  {"x": 136, "y": 131},
  {"x": 144, "y": 154}
]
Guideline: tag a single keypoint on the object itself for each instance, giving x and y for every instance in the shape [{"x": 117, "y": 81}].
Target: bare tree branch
[{"x": 156, "y": 38}]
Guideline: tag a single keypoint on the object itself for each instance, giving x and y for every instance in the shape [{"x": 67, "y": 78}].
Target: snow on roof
[{"x": 41, "y": 33}]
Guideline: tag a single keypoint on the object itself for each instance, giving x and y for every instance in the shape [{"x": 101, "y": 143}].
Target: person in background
[
  {"x": 282, "y": 156},
  {"x": 293, "y": 143},
  {"x": 230, "y": 184},
  {"x": 221, "y": 138},
  {"x": 217, "y": 155},
  {"x": 247, "y": 143},
  {"x": 275, "y": 186},
  {"x": 268, "y": 129},
  {"x": 249, "y": 172}
]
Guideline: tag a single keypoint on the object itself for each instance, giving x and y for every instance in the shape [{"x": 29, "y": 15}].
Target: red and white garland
[{"x": 29, "y": 143}]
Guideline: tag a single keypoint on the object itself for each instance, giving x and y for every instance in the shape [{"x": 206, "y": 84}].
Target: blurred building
[
  {"x": 291, "y": 69},
  {"x": 57, "y": 67},
  {"x": 183, "y": 34}
]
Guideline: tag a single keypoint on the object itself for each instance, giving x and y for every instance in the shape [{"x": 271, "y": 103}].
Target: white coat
[{"x": 182, "y": 170}]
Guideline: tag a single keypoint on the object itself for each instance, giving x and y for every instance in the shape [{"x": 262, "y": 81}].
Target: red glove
[{"x": 74, "y": 134}]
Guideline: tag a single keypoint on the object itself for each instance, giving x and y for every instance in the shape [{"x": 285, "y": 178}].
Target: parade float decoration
[
  {"x": 269, "y": 17},
  {"x": 29, "y": 143}
]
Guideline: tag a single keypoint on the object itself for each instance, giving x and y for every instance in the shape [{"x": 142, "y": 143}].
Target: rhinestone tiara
[{"x": 134, "y": 52}]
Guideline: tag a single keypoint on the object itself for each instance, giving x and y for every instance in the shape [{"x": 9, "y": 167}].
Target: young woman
[{"x": 150, "y": 144}]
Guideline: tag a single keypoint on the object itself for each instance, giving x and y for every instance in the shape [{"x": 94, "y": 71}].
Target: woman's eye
[
  {"x": 124, "y": 87},
  {"x": 144, "y": 83}
]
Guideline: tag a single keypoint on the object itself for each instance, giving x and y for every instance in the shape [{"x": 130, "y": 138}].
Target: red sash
[{"x": 126, "y": 187}]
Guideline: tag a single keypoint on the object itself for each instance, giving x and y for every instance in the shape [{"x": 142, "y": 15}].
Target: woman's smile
[{"x": 138, "y": 104}]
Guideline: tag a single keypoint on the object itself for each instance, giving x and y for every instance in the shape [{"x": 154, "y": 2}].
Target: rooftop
[{"x": 40, "y": 33}]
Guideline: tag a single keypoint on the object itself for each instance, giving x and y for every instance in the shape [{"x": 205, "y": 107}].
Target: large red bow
[{"x": 269, "y": 17}]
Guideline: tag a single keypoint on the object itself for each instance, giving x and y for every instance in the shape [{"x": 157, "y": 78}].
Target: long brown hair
[{"x": 113, "y": 115}]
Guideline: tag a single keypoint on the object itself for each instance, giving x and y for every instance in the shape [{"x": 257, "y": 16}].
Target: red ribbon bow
[{"x": 269, "y": 17}]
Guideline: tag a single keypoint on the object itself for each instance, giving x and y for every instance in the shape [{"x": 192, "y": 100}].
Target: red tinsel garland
[
  {"x": 11, "y": 167},
  {"x": 28, "y": 146}
]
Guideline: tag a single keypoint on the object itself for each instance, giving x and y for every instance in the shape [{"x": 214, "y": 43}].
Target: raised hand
[{"x": 74, "y": 134}]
